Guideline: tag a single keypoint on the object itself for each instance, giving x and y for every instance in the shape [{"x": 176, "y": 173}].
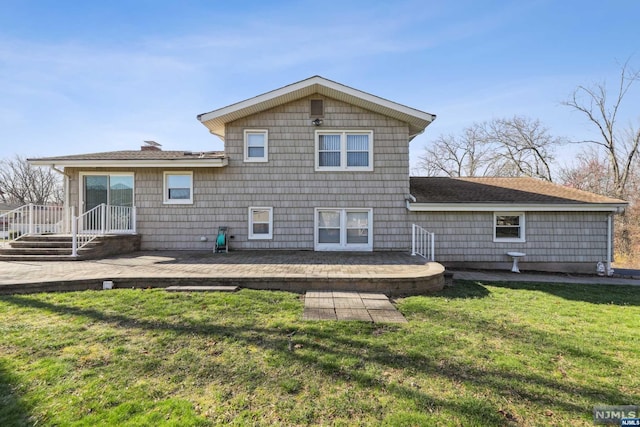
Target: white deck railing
[
  {"x": 99, "y": 221},
  {"x": 422, "y": 243},
  {"x": 32, "y": 219}
]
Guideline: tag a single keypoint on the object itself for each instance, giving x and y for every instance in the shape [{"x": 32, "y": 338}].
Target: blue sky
[{"x": 78, "y": 77}]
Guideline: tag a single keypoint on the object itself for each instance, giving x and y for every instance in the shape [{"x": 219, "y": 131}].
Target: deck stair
[{"x": 57, "y": 247}]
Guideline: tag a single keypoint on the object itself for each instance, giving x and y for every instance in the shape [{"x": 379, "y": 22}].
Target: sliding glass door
[{"x": 115, "y": 190}]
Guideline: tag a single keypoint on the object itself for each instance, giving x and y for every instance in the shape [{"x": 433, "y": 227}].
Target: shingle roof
[
  {"x": 137, "y": 155},
  {"x": 500, "y": 190}
]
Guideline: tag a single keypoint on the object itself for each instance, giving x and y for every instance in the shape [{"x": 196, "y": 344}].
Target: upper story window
[
  {"x": 508, "y": 227},
  {"x": 178, "y": 188},
  {"x": 256, "y": 145},
  {"x": 344, "y": 150}
]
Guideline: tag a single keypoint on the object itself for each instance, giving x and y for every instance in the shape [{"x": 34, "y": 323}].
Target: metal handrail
[
  {"x": 99, "y": 221},
  {"x": 31, "y": 219},
  {"x": 422, "y": 243},
  {"x": 81, "y": 235}
]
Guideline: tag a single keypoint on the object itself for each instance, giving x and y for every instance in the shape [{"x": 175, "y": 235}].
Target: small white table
[{"x": 516, "y": 256}]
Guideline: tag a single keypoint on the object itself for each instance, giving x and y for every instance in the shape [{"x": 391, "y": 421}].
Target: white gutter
[
  {"x": 209, "y": 163},
  {"x": 53, "y": 167},
  {"x": 409, "y": 198},
  {"x": 533, "y": 207}
]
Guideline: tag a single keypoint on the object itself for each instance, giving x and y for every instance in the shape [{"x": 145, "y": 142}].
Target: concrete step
[
  {"x": 46, "y": 238},
  {"x": 27, "y": 258},
  {"x": 36, "y": 251},
  {"x": 18, "y": 244},
  {"x": 57, "y": 247},
  {"x": 202, "y": 288}
]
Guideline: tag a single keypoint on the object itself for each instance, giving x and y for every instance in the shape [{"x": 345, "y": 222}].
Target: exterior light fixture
[{"x": 316, "y": 122}]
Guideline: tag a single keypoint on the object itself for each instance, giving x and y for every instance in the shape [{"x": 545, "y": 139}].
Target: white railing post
[
  {"x": 103, "y": 217},
  {"x": 74, "y": 233},
  {"x": 30, "y": 218},
  {"x": 413, "y": 240},
  {"x": 133, "y": 219},
  {"x": 433, "y": 246},
  {"x": 422, "y": 243},
  {"x": 67, "y": 221}
]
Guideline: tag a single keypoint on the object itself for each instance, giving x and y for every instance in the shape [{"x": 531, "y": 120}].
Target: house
[
  {"x": 317, "y": 165},
  {"x": 479, "y": 220}
]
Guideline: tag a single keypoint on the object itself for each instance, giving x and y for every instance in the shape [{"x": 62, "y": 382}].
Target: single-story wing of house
[
  {"x": 320, "y": 166},
  {"x": 479, "y": 221}
]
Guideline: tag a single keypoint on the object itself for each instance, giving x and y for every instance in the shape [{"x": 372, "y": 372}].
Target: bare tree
[
  {"x": 590, "y": 172},
  {"x": 619, "y": 144},
  {"x": 463, "y": 155},
  {"x": 22, "y": 183},
  {"x": 525, "y": 147},
  {"x": 516, "y": 146}
]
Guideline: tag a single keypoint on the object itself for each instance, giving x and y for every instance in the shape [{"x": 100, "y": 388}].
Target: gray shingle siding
[
  {"x": 288, "y": 182},
  {"x": 551, "y": 237}
]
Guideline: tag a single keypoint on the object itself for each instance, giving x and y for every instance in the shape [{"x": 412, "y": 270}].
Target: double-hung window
[
  {"x": 260, "y": 223},
  {"x": 178, "y": 188},
  {"x": 256, "y": 145},
  {"x": 343, "y": 229},
  {"x": 344, "y": 150},
  {"x": 508, "y": 227}
]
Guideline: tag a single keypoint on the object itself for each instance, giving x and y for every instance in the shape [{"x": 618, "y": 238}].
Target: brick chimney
[{"x": 151, "y": 146}]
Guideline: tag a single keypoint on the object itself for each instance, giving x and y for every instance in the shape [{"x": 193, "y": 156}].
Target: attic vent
[{"x": 317, "y": 108}]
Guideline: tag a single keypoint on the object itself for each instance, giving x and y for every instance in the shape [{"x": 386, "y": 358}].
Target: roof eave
[
  {"x": 215, "y": 120},
  {"x": 509, "y": 206},
  {"x": 175, "y": 163}
]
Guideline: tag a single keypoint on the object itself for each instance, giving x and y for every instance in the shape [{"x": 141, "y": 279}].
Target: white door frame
[
  {"x": 81, "y": 194},
  {"x": 81, "y": 189}
]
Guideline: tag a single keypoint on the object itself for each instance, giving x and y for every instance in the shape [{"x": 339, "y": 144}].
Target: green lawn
[{"x": 475, "y": 354}]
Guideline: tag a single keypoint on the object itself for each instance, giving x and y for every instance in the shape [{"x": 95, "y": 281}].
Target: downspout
[
  {"x": 409, "y": 198},
  {"x": 609, "y": 237},
  {"x": 67, "y": 216},
  {"x": 56, "y": 169},
  {"x": 67, "y": 219}
]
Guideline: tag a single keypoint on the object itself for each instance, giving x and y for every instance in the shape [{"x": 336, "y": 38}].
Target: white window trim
[
  {"x": 343, "y": 151},
  {"x": 522, "y": 237},
  {"x": 165, "y": 189},
  {"x": 343, "y": 245},
  {"x": 265, "y": 158},
  {"x": 260, "y": 236}
]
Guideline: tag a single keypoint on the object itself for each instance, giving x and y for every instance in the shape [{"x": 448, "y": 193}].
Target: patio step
[
  {"x": 27, "y": 258},
  {"x": 36, "y": 251},
  {"x": 202, "y": 288},
  {"x": 45, "y": 238},
  {"x": 30, "y": 244},
  {"x": 57, "y": 247},
  {"x": 44, "y": 247}
]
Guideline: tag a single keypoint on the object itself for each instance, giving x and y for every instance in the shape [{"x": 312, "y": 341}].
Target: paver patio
[
  {"x": 367, "y": 307},
  {"x": 298, "y": 271}
]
